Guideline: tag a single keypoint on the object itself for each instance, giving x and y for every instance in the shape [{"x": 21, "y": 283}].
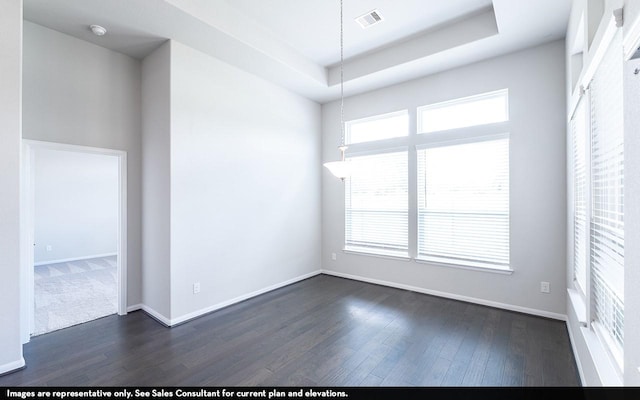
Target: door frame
[{"x": 28, "y": 226}]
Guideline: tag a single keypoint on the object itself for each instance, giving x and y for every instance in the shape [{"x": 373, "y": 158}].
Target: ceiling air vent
[{"x": 370, "y": 18}]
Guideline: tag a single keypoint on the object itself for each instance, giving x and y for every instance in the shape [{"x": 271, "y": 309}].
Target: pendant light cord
[{"x": 342, "y": 79}]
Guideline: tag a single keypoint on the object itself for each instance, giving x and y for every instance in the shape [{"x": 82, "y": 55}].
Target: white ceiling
[
  {"x": 312, "y": 27},
  {"x": 295, "y": 43}
]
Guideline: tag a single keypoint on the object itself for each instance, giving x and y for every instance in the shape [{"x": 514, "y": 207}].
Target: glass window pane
[
  {"x": 378, "y": 128},
  {"x": 484, "y": 109}
]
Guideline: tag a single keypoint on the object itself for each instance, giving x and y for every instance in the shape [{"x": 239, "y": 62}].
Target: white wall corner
[
  {"x": 170, "y": 322},
  {"x": 135, "y": 307},
  {"x": 156, "y": 315}
]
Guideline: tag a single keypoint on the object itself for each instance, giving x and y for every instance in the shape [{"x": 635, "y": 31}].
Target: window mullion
[{"x": 413, "y": 189}]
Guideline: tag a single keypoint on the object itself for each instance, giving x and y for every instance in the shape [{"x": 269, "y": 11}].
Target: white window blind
[
  {"x": 607, "y": 193},
  {"x": 376, "y": 204},
  {"x": 463, "y": 204},
  {"x": 579, "y": 138}
]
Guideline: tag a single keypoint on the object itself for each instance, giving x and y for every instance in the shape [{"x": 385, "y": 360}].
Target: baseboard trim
[
  {"x": 62, "y": 260},
  {"x": 156, "y": 315},
  {"x": 12, "y": 366},
  {"x": 135, "y": 307},
  {"x": 468, "y": 299},
  {"x": 171, "y": 322},
  {"x": 216, "y": 307}
]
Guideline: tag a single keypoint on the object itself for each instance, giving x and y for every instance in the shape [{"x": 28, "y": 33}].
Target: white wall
[
  {"x": 631, "y": 16},
  {"x": 156, "y": 196},
  {"x": 75, "y": 205},
  {"x": 535, "y": 78},
  {"x": 79, "y": 93},
  {"x": 245, "y": 183},
  {"x": 11, "y": 116}
]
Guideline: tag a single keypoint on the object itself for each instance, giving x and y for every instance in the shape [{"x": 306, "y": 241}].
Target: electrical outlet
[
  {"x": 544, "y": 287},
  {"x": 196, "y": 288},
  {"x": 49, "y": 247},
  {"x": 333, "y": 256}
]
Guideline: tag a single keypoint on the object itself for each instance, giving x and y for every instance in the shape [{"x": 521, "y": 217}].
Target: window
[
  {"x": 579, "y": 137},
  {"x": 377, "y": 128},
  {"x": 463, "y": 203},
  {"x": 607, "y": 193},
  {"x": 487, "y": 108},
  {"x": 459, "y": 212},
  {"x": 376, "y": 204}
]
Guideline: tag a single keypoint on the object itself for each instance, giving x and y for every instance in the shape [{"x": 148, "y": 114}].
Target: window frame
[
  {"x": 600, "y": 342},
  {"x": 411, "y": 141}
]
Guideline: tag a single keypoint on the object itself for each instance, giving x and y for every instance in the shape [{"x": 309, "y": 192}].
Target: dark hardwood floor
[{"x": 323, "y": 331}]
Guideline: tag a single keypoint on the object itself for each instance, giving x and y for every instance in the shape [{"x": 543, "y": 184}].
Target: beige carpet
[{"x": 74, "y": 292}]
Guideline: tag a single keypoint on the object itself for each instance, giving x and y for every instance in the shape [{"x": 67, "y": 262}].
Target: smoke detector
[
  {"x": 98, "y": 30},
  {"x": 371, "y": 18}
]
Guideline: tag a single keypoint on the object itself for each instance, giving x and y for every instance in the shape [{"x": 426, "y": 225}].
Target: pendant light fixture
[{"x": 341, "y": 169}]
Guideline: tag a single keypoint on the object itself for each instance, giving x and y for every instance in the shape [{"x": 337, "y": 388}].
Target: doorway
[{"x": 75, "y": 263}]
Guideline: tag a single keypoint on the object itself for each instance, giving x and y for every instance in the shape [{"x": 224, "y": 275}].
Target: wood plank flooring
[{"x": 324, "y": 331}]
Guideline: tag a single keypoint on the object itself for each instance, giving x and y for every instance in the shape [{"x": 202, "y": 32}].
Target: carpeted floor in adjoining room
[{"x": 74, "y": 292}]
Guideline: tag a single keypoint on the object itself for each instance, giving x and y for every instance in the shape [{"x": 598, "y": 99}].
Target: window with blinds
[
  {"x": 463, "y": 203},
  {"x": 579, "y": 135},
  {"x": 376, "y": 204},
  {"x": 607, "y": 193}
]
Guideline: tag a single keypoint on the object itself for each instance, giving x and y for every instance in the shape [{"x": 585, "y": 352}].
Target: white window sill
[
  {"x": 614, "y": 351},
  {"x": 579, "y": 306},
  {"x": 472, "y": 267},
  {"x": 602, "y": 360},
  {"x": 380, "y": 254},
  {"x": 400, "y": 257}
]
